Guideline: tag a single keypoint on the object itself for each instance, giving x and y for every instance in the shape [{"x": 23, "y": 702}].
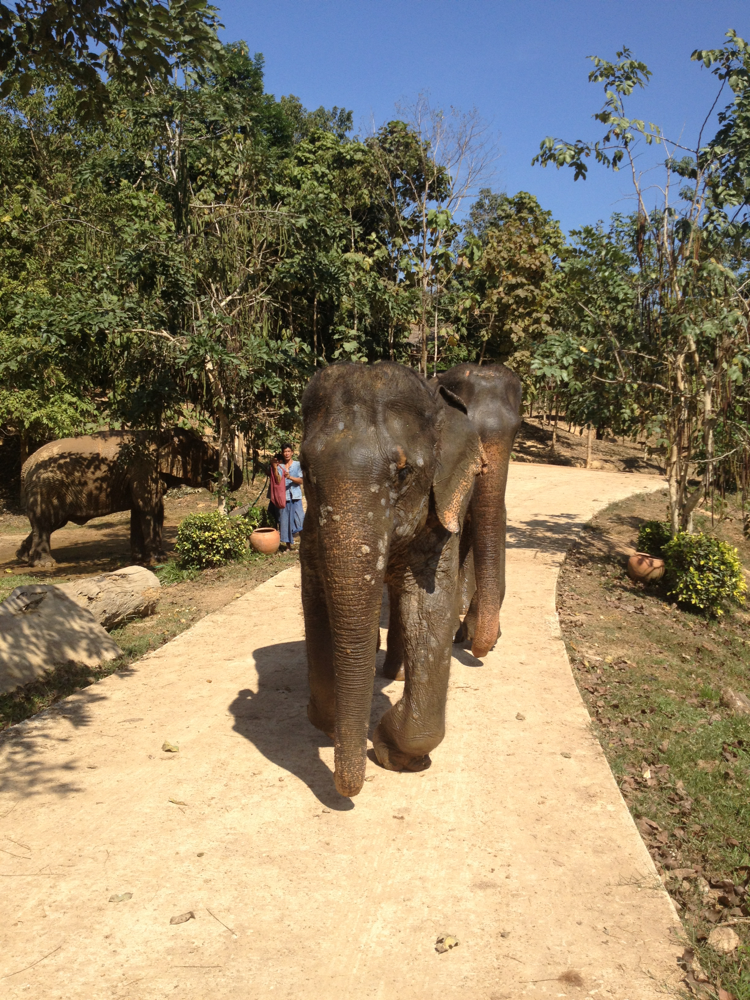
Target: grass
[{"x": 652, "y": 675}]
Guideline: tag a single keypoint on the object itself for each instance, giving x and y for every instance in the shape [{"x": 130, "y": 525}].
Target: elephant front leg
[
  {"x": 412, "y": 728},
  {"x": 321, "y": 709},
  {"x": 146, "y": 533}
]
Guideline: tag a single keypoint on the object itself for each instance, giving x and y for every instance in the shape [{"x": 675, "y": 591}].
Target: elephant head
[
  {"x": 492, "y": 394},
  {"x": 186, "y": 457},
  {"x": 383, "y": 453}
]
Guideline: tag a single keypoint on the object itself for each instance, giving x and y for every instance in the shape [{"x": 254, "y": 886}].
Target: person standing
[{"x": 291, "y": 516}]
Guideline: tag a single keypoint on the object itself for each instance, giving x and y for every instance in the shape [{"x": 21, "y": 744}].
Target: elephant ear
[
  {"x": 459, "y": 461},
  {"x": 171, "y": 455}
]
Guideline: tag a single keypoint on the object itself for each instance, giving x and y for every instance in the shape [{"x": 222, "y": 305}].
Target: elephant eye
[{"x": 403, "y": 473}]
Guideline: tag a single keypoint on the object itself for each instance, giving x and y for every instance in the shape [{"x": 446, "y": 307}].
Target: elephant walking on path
[
  {"x": 389, "y": 462},
  {"x": 492, "y": 394},
  {"x": 76, "y": 479}
]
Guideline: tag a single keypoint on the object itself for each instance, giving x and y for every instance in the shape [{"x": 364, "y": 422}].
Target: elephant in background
[
  {"x": 76, "y": 479},
  {"x": 492, "y": 394},
  {"x": 389, "y": 462}
]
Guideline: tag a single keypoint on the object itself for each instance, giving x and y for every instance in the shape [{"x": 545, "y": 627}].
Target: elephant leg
[
  {"x": 321, "y": 709},
  {"x": 146, "y": 532},
  {"x": 428, "y": 611},
  {"x": 394, "y": 656},
  {"x": 22, "y": 552},
  {"x": 137, "y": 544},
  {"x": 36, "y": 547}
]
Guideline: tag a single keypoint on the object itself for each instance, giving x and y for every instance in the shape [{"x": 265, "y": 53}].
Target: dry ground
[
  {"x": 534, "y": 444},
  {"x": 651, "y": 675}
]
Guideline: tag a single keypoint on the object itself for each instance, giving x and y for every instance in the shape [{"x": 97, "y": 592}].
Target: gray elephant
[
  {"x": 492, "y": 394},
  {"x": 389, "y": 462},
  {"x": 75, "y": 479}
]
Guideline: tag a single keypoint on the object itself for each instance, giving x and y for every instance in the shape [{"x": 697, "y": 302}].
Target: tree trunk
[{"x": 589, "y": 444}]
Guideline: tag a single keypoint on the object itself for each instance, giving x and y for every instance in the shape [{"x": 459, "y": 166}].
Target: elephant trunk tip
[
  {"x": 349, "y": 770},
  {"x": 348, "y": 785},
  {"x": 479, "y": 650}
]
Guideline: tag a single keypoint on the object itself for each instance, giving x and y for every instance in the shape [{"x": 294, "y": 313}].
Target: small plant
[
  {"x": 703, "y": 572},
  {"x": 259, "y": 517},
  {"x": 653, "y": 536},
  {"x": 205, "y": 540}
]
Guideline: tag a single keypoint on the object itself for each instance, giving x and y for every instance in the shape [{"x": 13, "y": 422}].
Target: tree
[
  {"x": 681, "y": 338},
  {"x": 430, "y": 163},
  {"x": 45, "y": 42}
]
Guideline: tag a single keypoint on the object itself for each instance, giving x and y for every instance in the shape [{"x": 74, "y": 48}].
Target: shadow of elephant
[{"x": 274, "y": 718}]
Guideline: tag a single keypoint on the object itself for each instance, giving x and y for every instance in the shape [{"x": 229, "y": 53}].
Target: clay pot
[
  {"x": 265, "y": 540},
  {"x": 644, "y": 568}
]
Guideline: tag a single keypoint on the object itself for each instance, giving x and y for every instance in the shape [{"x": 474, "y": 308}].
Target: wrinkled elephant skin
[
  {"x": 75, "y": 479},
  {"x": 492, "y": 394},
  {"x": 389, "y": 462}
]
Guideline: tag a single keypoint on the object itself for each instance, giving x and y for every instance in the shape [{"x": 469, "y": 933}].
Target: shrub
[
  {"x": 653, "y": 536},
  {"x": 212, "y": 539},
  {"x": 703, "y": 572},
  {"x": 258, "y": 517}
]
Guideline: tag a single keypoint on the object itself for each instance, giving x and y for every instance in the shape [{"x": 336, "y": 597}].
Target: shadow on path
[{"x": 274, "y": 718}]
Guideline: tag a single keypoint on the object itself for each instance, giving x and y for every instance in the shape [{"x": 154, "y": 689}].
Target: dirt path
[{"x": 516, "y": 841}]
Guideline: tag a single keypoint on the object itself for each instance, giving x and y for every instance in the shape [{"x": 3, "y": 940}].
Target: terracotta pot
[
  {"x": 644, "y": 568},
  {"x": 265, "y": 540}
]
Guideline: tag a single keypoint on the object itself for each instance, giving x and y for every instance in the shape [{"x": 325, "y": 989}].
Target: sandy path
[{"x": 516, "y": 841}]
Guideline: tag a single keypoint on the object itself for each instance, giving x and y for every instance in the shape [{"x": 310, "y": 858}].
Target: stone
[
  {"x": 737, "y": 702},
  {"x": 41, "y": 628},
  {"x": 116, "y": 598},
  {"x": 723, "y": 939}
]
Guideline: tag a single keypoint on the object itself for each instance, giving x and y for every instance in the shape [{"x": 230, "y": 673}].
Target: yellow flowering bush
[
  {"x": 212, "y": 539},
  {"x": 703, "y": 572}
]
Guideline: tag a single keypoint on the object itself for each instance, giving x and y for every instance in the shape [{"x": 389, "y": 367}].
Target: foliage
[
  {"x": 703, "y": 572},
  {"x": 211, "y": 539},
  {"x": 258, "y": 517},
  {"x": 653, "y": 536},
  {"x": 665, "y": 342},
  {"x": 77, "y": 41}
]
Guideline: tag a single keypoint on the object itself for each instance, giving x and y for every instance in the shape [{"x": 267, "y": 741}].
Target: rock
[
  {"x": 735, "y": 701},
  {"x": 115, "y": 598},
  {"x": 40, "y": 628},
  {"x": 723, "y": 939}
]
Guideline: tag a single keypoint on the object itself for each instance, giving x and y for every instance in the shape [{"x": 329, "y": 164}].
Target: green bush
[
  {"x": 653, "y": 536},
  {"x": 258, "y": 517},
  {"x": 703, "y": 572},
  {"x": 213, "y": 539}
]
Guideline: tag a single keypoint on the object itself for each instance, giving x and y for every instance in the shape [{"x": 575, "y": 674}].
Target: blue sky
[{"x": 522, "y": 65}]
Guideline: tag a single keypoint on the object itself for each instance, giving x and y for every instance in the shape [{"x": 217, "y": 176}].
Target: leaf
[
  {"x": 445, "y": 943},
  {"x": 170, "y": 747},
  {"x": 120, "y": 897},
  {"x": 177, "y": 802},
  {"x": 183, "y": 918}
]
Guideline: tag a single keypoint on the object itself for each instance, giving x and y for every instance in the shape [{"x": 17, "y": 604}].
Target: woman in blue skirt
[{"x": 290, "y": 517}]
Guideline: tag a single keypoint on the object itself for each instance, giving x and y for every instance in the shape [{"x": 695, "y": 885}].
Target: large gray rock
[
  {"x": 41, "y": 628},
  {"x": 115, "y": 598}
]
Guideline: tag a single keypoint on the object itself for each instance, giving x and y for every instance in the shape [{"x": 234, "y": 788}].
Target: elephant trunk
[
  {"x": 488, "y": 519},
  {"x": 353, "y": 570}
]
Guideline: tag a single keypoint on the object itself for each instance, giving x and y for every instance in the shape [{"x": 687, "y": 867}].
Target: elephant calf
[
  {"x": 75, "y": 479},
  {"x": 389, "y": 462}
]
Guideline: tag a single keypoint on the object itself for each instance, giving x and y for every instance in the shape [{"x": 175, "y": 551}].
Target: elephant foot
[
  {"x": 43, "y": 562},
  {"x": 320, "y": 722},
  {"x": 396, "y": 760},
  {"x": 393, "y": 671}
]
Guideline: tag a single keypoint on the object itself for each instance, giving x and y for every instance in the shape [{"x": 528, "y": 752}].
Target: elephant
[
  {"x": 389, "y": 462},
  {"x": 75, "y": 479},
  {"x": 492, "y": 395}
]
